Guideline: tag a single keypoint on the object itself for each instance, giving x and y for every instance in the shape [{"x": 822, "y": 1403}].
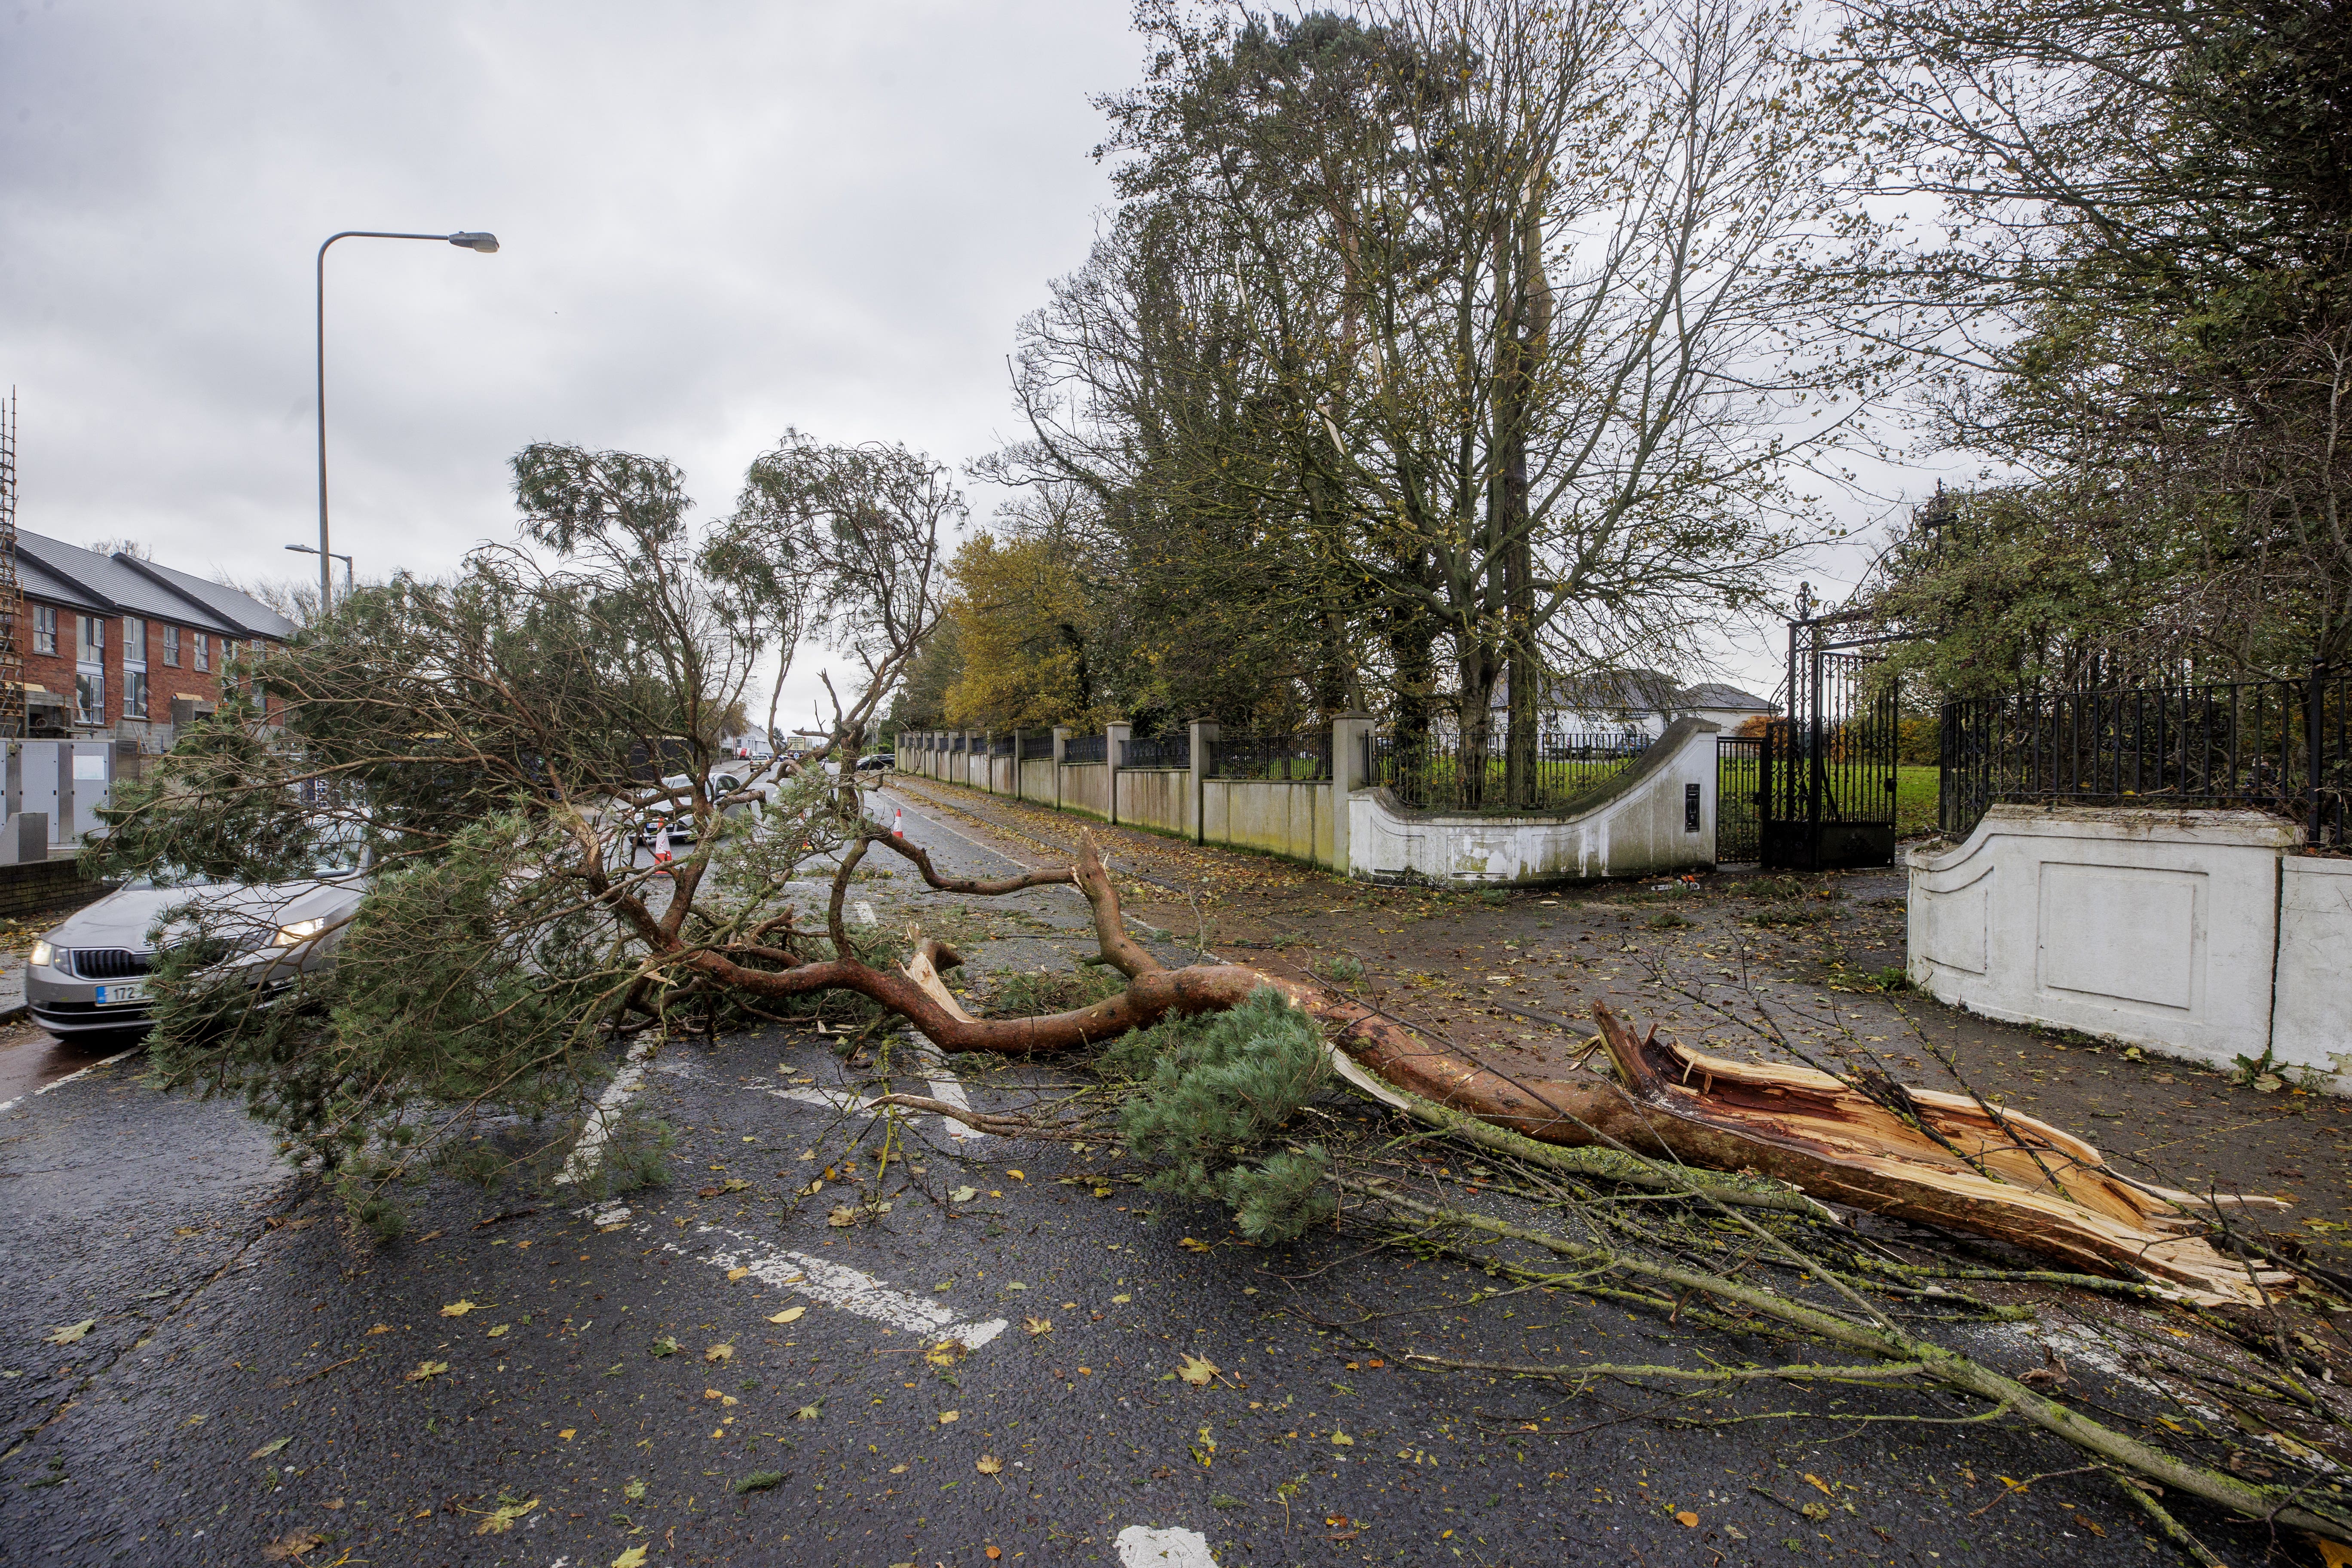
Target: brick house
[{"x": 117, "y": 648}]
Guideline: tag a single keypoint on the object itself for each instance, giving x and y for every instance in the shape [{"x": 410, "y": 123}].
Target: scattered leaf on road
[
  {"x": 731, "y": 1184},
  {"x": 948, "y": 1415},
  {"x": 293, "y": 1544},
  {"x": 664, "y": 1346},
  {"x": 634, "y": 1489},
  {"x": 1015, "y": 1175},
  {"x": 501, "y": 1520},
  {"x": 789, "y": 1315},
  {"x": 963, "y": 1195},
  {"x": 841, "y": 1217},
  {"x": 1121, "y": 1300},
  {"x": 497, "y": 1331},
  {"x": 988, "y": 1464},
  {"x": 809, "y": 1412},
  {"x": 758, "y": 1481},
  {"x": 719, "y": 1353},
  {"x": 1038, "y": 1325},
  {"x": 1820, "y": 1485},
  {"x": 1197, "y": 1370},
  {"x": 1687, "y": 1520},
  {"x": 947, "y": 1353},
  {"x": 635, "y": 1557},
  {"x": 70, "y": 1333},
  {"x": 1342, "y": 1440},
  {"x": 380, "y": 1329},
  {"x": 425, "y": 1369},
  {"x": 1192, "y": 1244},
  {"x": 737, "y": 1273},
  {"x": 567, "y": 1433},
  {"x": 268, "y": 1448},
  {"x": 459, "y": 1309}
]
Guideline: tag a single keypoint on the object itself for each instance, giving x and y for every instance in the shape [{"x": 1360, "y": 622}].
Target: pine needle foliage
[{"x": 1212, "y": 1092}]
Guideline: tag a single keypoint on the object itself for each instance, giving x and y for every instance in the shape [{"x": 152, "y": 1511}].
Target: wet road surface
[{"x": 202, "y": 1364}]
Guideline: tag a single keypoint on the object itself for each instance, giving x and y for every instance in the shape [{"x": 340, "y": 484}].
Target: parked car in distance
[
  {"x": 878, "y": 761},
  {"x": 678, "y": 814},
  {"x": 87, "y": 974}
]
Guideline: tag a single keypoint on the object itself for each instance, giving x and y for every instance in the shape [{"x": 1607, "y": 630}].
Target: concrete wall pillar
[
  {"x": 1061, "y": 745},
  {"x": 1204, "y": 735},
  {"x": 1350, "y": 732},
  {"x": 1016, "y": 766},
  {"x": 1115, "y": 739}
]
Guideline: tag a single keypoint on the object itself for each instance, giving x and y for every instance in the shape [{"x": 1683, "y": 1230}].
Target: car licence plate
[{"x": 118, "y": 995}]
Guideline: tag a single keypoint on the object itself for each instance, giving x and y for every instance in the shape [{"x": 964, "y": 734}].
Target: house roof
[
  {"x": 1637, "y": 691},
  {"x": 66, "y": 574}
]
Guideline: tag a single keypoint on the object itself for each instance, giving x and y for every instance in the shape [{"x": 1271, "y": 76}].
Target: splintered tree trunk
[{"x": 1933, "y": 1159}]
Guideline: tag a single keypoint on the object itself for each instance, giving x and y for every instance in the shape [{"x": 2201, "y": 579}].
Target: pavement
[{"x": 200, "y": 1362}]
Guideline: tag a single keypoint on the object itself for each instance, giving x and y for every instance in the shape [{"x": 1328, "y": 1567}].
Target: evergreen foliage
[{"x": 1212, "y": 1092}]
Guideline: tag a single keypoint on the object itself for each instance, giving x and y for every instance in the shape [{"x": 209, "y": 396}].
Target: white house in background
[{"x": 1642, "y": 701}]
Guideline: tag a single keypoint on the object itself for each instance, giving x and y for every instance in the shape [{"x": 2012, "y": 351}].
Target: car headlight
[
  {"x": 43, "y": 955},
  {"x": 300, "y": 931}
]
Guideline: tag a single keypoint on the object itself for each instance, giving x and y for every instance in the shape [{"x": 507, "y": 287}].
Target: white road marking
[
  {"x": 589, "y": 1153},
  {"x": 1142, "y": 1547},
  {"x": 78, "y": 1072},
  {"x": 865, "y": 913},
  {"x": 838, "y": 1285},
  {"x": 945, "y": 1085}
]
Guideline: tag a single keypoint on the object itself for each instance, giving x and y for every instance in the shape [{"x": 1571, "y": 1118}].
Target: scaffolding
[{"x": 12, "y": 590}]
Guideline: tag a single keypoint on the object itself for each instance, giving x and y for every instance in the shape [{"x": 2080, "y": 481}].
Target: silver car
[{"x": 89, "y": 974}]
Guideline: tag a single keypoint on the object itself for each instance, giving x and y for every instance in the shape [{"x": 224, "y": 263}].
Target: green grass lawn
[{"x": 1915, "y": 800}]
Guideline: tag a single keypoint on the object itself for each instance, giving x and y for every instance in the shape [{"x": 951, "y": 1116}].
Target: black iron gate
[
  {"x": 1738, "y": 797},
  {"x": 1826, "y": 777}
]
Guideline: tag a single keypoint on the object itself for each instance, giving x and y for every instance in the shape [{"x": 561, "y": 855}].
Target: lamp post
[
  {"x": 312, "y": 550},
  {"x": 465, "y": 239}
]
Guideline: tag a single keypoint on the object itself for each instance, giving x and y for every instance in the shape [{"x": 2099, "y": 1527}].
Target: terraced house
[{"x": 120, "y": 649}]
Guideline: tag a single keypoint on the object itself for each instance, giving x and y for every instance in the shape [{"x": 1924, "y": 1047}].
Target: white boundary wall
[
  {"x": 2199, "y": 933},
  {"x": 1643, "y": 826}
]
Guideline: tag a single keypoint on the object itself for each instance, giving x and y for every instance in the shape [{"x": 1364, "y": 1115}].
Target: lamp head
[{"x": 488, "y": 244}]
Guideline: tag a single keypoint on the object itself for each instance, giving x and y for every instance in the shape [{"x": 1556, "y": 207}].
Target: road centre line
[
  {"x": 82, "y": 1072},
  {"x": 588, "y": 1153},
  {"x": 838, "y": 1285}
]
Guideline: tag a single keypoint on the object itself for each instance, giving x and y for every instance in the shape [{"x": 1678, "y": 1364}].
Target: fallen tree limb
[{"x": 1937, "y": 1363}]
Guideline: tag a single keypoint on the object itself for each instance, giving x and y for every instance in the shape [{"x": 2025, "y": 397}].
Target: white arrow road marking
[
  {"x": 589, "y": 1153},
  {"x": 945, "y": 1085},
  {"x": 1141, "y": 1547},
  {"x": 78, "y": 1072},
  {"x": 838, "y": 1285}
]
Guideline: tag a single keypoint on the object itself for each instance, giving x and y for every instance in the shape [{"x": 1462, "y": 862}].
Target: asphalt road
[{"x": 711, "y": 1371}]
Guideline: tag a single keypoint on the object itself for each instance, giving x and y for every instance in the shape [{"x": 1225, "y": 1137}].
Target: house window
[
  {"x": 134, "y": 668},
  {"x": 172, "y": 647},
  {"x": 90, "y": 669},
  {"x": 203, "y": 651},
  {"x": 45, "y": 628}
]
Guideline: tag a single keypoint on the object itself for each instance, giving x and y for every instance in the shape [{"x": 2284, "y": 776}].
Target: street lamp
[
  {"x": 312, "y": 550},
  {"x": 465, "y": 239}
]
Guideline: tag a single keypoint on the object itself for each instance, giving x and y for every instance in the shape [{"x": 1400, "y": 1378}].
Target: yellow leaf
[
  {"x": 2334, "y": 1554},
  {"x": 1121, "y": 1300},
  {"x": 567, "y": 1432},
  {"x": 1342, "y": 1440},
  {"x": 1190, "y": 1244},
  {"x": 381, "y": 1329},
  {"x": 70, "y": 1333},
  {"x": 1197, "y": 1370},
  {"x": 947, "y": 1353},
  {"x": 1016, "y": 1175},
  {"x": 425, "y": 1369},
  {"x": 719, "y": 1353},
  {"x": 1038, "y": 1325},
  {"x": 496, "y": 1330},
  {"x": 268, "y": 1448},
  {"x": 1687, "y": 1520},
  {"x": 989, "y": 1465},
  {"x": 458, "y": 1309},
  {"x": 635, "y": 1557},
  {"x": 789, "y": 1315},
  {"x": 1820, "y": 1486},
  {"x": 502, "y": 1520},
  {"x": 737, "y": 1273},
  {"x": 948, "y": 1415}
]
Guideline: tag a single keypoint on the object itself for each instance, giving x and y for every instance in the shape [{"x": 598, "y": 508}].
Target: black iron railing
[
  {"x": 1000, "y": 746},
  {"x": 1304, "y": 755},
  {"x": 1035, "y": 746},
  {"x": 1169, "y": 750},
  {"x": 1086, "y": 749},
  {"x": 2280, "y": 746},
  {"x": 1441, "y": 772}
]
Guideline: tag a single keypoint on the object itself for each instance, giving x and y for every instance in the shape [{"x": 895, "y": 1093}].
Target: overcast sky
[{"x": 717, "y": 221}]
